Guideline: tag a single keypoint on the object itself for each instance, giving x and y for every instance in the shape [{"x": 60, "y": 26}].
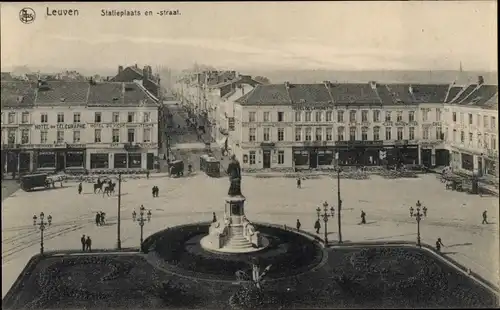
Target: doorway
[
  {"x": 480, "y": 166},
  {"x": 313, "y": 159},
  {"x": 266, "y": 159},
  {"x": 60, "y": 161}
]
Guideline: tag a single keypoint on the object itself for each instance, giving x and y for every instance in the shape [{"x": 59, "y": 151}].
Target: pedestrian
[
  {"x": 83, "y": 242},
  {"x": 103, "y": 215},
  {"x": 411, "y": 211},
  {"x": 317, "y": 226},
  {"x": 13, "y": 175},
  {"x": 298, "y": 225},
  {"x": 299, "y": 183},
  {"x": 424, "y": 209},
  {"x": 485, "y": 217},
  {"x": 153, "y": 190},
  {"x": 98, "y": 219},
  {"x": 156, "y": 191},
  {"x": 214, "y": 217},
  {"x": 80, "y": 188},
  {"x": 363, "y": 217},
  {"x": 439, "y": 244},
  {"x": 88, "y": 244},
  {"x": 147, "y": 174}
]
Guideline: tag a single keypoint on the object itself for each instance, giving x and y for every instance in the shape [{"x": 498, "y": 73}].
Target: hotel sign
[{"x": 59, "y": 126}]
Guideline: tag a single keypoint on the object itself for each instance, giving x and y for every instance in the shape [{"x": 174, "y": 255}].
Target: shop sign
[
  {"x": 76, "y": 146},
  {"x": 148, "y": 145},
  {"x": 401, "y": 124},
  {"x": 120, "y": 125},
  {"x": 311, "y": 107},
  {"x": 387, "y": 123},
  {"x": 358, "y": 143}
]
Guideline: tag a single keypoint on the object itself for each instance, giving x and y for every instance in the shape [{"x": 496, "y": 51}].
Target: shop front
[
  {"x": 121, "y": 159},
  {"x": 491, "y": 167},
  {"x": 67, "y": 156},
  {"x": 406, "y": 154},
  {"x": 358, "y": 153},
  {"x": 313, "y": 156}
]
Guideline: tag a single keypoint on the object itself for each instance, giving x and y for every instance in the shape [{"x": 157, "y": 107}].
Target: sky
[{"x": 271, "y": 35}]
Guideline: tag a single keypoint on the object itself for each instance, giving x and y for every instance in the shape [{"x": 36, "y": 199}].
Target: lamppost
[
  {"x": 339, "y": 202},
  {"x": 42, "y": 226},
  {"x": 118, "y": 226},
  {"x": 326, "y": 215},
  {"x": 141, "y": 220},
  {"x": 418, "y": 217}
]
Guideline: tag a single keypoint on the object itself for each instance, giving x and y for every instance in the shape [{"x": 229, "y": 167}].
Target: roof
[
  {"x": 367, "y": 93},
  {"x": 63, "y": 92},
  {"x": 17, "y": 93},
  {"x": 466, "y": 91}
]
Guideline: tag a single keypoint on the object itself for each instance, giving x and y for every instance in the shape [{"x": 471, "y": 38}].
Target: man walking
[
  {"x": 83, "y": 242},
  {"x": 214, "y": 217},
  {"x": 485, "y": 217},
  {"x": 363, "y": 217},
  {"x": 88, "y": 244},
  {"x": 147, "y": 174},
  {"x": 298, "y": 225},
  {"x": 439, "y": 244},
  {"x": 80, "y": 188},
  {"x": 98, "y": 219},
  {"x": 317, "y": 226},
  {"x": 299, "y": 182},
  {"x": 424, "y": 209}
]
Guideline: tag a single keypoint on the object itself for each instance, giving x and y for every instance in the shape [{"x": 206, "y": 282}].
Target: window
[
  {"x": 439, "y": 133},
  {"x": 115, "y": 118},
  {"x": 411, "y": 116},
  {"x": 267, "y": 134},
  {"x": 251, "y": 116},
  {"x": 376, "y": 116},
  {"x": 454, "y": 117},
  {"x": 493, "y": 142},
  {"x": 454, "y": 135},
  {"x": 97, "y": 135},
  {"x": 364, "y": 116},
  {"x": 485, "y": 121},
  {"x": 319, "y": 134},
  {"x": 329, "y": 116},
  {"x": 298, "y": 134},
  {"x": 425, "y": 133},
  {"x": 130, "y": 135},
  {"x": 266, "y": 117},
  {"x": 340, "y": 116},
  {"x": 411, "y": 133},
  {"x": 281, "y": 116},
  {"x": 60, "y": 136},
  {"x": 462, "y": 136},
  {"x": 12, "y": 118},
  {"x": 438, "y": 115},
  {"x": 461, "y": 118},
  {"x": 470, "y": 118},
  {"x": 352, "y": 133},
  {"x": 364, "y": 133},
  {"x": 308, "y": 134},
  {"x": 493, "y": 122},
  {"x": 471, "y": 137},
  {"x": 281, "y": 157},
  {"x": 25, "y": 136},
  {"x": 60, "y": 117},
  {"x": 281, "y": 134},
  {"x": 388, "y": 116},
  {"x": 76, "y": 136},
  {"x": 11, "y": 136},
  {"x": 319, "y": 116},
  {"x": 400, "y": 133},
  {"x": 329, "y": 134},
  {"x": 130, "y": 117},
  {"x": 340, "y": 134},
  {"x": 146, "y": 135},
  {"x": 97, "y": 117},
  {"x": 478, "y": 120},
  {"x": 44, "y": 118},
  {"x": 252, "y": 157},
  {"x": 76, "y": 117},
  {"x": 399, "y": 116},
  {"x": 352, "y": 116},
  {"x": 308, "y": 116},
  {"x": 251, "y": 134},
  {"x": 388, "y": 133},
  {"x": 116, "y": 135},
  {"x": 146, "y": 117},
  {"x": 25, "y": 117},
  {"x": 298, "y": 116},
  {"x": 376, "y": 133},
  {"x": 425, "y": 114},
  {"x": 479, "y": 140},
  {"x": 486, "y": 141},
  {"x": 43, "y": 136}
]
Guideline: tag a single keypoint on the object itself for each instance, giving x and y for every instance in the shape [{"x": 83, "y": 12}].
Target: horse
[
  {"x": 110, "y": 189},
  {"x": 98, "y": 186}
]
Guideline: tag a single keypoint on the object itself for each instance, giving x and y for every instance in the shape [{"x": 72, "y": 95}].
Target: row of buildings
[
  {"x": 325, "y": 124},
  {"x": 77, "y": 125}
]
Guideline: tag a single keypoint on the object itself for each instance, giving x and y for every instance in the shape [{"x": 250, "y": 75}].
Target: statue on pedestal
[{"x": 234, "y": 172}]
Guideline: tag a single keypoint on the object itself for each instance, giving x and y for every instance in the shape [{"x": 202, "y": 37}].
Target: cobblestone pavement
[
  {"x": 455, "y": 217},
  {"x": 8, "y": 188}
]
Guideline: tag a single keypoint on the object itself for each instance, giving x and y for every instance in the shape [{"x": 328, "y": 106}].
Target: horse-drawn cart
[{"x": 31, "y": 181}]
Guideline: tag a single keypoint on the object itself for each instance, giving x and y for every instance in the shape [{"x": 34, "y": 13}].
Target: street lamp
[
  {"x": 325, "y": 215},
  {"x": 418, "y": 217},
  {"x": 339, "y": 201},
  {"x": 42, "y": 226},
  {"x": 141, "y": 220}
]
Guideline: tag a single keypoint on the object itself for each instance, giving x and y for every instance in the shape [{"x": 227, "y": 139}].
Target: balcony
[{"x": 131, "y": 146}]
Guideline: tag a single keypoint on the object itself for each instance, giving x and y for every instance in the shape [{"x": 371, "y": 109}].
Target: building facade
[
  {"x": 324, "y": 125},
  {"x": 76, "y": 126}
]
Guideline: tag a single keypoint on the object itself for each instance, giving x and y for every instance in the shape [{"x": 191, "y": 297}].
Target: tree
[{"x": 262, "y": 79}]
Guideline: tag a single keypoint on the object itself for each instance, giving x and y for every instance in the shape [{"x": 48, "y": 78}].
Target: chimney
[
  {"x": 145, "y": 73},
  {"x": 480, "y": 80},
  {"x": 327, "y": 83},
  {"x": 373, "y": 84},
  {"x": 120, "y": 69}
]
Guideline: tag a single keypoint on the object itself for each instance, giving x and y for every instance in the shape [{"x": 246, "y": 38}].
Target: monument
[{"x": 235, "y": 233}]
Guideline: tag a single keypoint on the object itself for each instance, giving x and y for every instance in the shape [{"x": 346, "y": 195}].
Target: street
[{"x": 454, "y": 217}]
